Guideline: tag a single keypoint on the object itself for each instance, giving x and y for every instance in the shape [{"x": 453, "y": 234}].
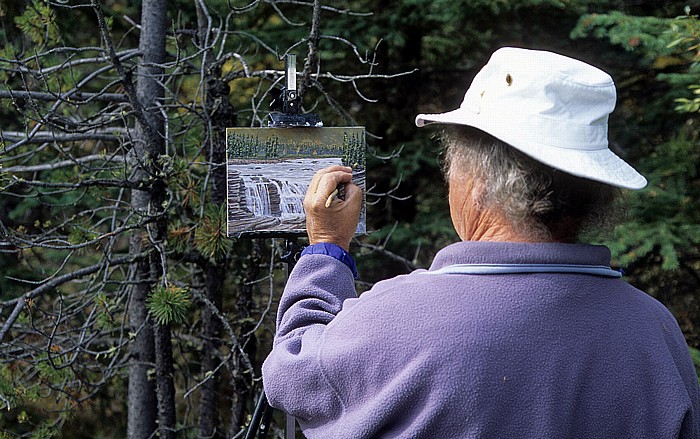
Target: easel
[
  {"x": 307, "y": 133},
  {"x": 262, "y": 415},
  {"x": 288, "y": 101}
]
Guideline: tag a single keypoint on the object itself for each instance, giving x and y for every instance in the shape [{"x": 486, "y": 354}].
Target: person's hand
[{"x": 333, "y": 222}]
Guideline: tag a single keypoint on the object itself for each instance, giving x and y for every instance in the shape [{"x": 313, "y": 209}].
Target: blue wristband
[{"x": 333, "y": 250}]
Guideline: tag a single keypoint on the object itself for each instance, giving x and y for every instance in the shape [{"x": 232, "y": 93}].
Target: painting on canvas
[{"x": 269, "y": 170}]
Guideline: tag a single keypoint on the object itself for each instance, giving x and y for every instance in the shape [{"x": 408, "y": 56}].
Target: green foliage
[
  {"x": 38, "y": 22},
  {"x": 8, "y": 396},
  {"x": 12, "y": 393},
  {"x": 664, "y": 214},
  {"x": 685, "y": 32},
  {"x": 52, "y": 368},
  {"x": 169, "y": 304},
  {"x": 691, "y": 105},
  {"x": 632, "y": 33},
  {"x": 106, "y": 309},
  {"x": 186, "y": 182},
  {"x": 695, "y": 355},
  {"x": 210, "y": 237},
  {"x": 45, "y": 430},
  {"x": 661, "y": 42}
]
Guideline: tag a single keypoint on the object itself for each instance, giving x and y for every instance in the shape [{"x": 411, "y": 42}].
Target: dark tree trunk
[
  {"x": 164, "y": 382},
  {"x": 242, "y": 379},
  {"x": 209, "y": 422},
  {"x": 220, "y": 115},
  {"x": 142, "y": 410},
  {"x": 146, "y": 397}
]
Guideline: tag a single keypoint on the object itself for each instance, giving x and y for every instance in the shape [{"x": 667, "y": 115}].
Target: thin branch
[
  {"x": 108, "y": 135},
  {"x": 245, "y": 8},
  {"x": 234, "y": 340},
  {"x": 78, "y": 95},
  {"x": 56, "y": 281},
  {"x": 209, "y": 375},
  {"x": 64, "y": 163},
  {"x": 393, "y": 256},
  {"x": 351, "y": 78},
  {"x": 311, "y": 63},
  {"x": 126, "y": 55},
  {"x": 325, "y": 8},
  {"x": 272, "y": 73},
  {"x": 283, "y": 16},
  {"x": 140, "y": 185},
  {"x": 123, "y": 74},
  {"x": 389, "y": 193}
]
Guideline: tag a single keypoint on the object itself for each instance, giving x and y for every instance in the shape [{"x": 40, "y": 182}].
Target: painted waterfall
[{"x": 269, "y": 170}]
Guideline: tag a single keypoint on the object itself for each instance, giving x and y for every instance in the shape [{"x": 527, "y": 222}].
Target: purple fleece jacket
[{"x": 480, "y": 356}]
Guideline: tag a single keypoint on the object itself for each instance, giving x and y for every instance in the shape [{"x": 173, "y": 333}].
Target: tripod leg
[
  {"x": 290, "y": 428},
  {"x": 260, "y": 408},
  {"x": 266, "y": 419}
]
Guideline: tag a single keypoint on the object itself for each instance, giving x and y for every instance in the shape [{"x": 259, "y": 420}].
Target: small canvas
[{"x": 269, "y": 170}]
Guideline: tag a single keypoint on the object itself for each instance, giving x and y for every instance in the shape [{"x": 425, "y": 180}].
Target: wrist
[
  {"x": 345, "y": 245},
  {"x": 333, "y": 250}
]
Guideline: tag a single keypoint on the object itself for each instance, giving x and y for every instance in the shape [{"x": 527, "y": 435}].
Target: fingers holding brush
[
  {"x": 331, "y": 196},
  {"x": 332, "y": 205}
]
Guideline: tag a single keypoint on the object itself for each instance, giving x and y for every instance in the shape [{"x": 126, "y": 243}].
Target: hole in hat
[{"x": 509, "y": 79}]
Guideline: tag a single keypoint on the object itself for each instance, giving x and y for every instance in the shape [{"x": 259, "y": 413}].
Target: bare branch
[
  {"x": 56, "y": 281},
  {"x": 351, "y": 78},
  {"x": 390, "y": 192},
  {"x": 325, "y": 8},
  {"x": 123, "y": 56},
  {"x": 107, "y": 135},
  {"x": 268, "y": 73},
  {"x": 123, "y": 74},
  {"x": 410, "y": 266},
  {"x": 283, "y": 16},
  {"x": 130, "y": 184},
  {"x": 76, "y": 96},
  {"x": 311, "y": 63}
]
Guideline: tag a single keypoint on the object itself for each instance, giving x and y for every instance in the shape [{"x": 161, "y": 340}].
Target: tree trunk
[
  {"x": 220, "y": 115},
  {"x": 142, "y": 396},
  {"x": 147, "y": 398},
  {"x": 209, "y": 422},
  {"x": 242, "y": 379},
  {"x": 164, "y": 382}
]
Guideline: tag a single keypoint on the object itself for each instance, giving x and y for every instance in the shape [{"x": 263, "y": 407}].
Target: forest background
[{"x": 125, "y": 311}]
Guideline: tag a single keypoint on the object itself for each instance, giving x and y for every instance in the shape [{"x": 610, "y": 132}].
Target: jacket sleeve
[{"x": 292, "y": 376}]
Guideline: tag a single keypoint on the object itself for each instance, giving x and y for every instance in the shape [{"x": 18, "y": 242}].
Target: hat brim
[{"x": 600, "y": 165}]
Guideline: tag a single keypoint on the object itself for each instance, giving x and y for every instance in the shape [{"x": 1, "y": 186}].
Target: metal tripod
[{"x": 262, "y": 415}]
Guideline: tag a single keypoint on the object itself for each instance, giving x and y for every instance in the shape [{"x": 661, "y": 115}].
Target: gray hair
[{"x": 539, "y": 201}]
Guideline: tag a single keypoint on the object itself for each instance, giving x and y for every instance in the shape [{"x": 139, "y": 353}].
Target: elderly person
[{"x": 518, "y": 331}]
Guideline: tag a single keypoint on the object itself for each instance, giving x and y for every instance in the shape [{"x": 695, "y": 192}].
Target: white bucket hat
[{"x": 552, "y": 108}]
